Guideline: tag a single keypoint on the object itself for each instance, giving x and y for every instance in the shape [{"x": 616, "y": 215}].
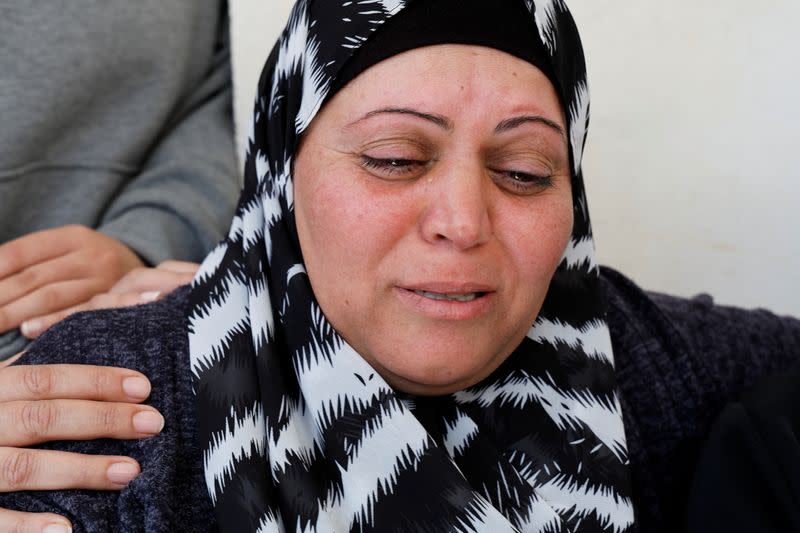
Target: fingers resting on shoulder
[
  {"x": 48, "y": 271},
  {"x": 48, "y": 275},
  {"x": 139, "y": 286},
  {"x": 40, "y": 403},
  {"x": 20, "y": 522}
]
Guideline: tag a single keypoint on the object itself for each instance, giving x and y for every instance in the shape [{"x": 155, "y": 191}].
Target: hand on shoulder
[
  {"x": 48, "y": 275},
  {"x": 42, "y": 403}
]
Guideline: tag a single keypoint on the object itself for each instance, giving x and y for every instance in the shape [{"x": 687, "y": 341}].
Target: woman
[{"x": 406, "y": 329}]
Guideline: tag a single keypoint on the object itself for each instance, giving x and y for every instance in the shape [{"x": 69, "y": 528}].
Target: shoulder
[
  {"x": 678, "y": 362},
  {"x": 118, "y": 337},
  {"x": 736, "y": 345},
  {"x": 170, "y": 493},
  {"x": 655, "y": 355}
]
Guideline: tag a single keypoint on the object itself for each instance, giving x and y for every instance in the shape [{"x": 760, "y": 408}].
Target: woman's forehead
[{"x": 443, "y": 78}]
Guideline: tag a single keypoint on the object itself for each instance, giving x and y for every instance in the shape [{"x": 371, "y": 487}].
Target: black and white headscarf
[{"x": 299, "y": 432}]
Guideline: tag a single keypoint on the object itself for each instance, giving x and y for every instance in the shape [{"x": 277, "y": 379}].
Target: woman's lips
[
  {"x": 462, "y": 297},
  {"x": 447, "y": 302}
]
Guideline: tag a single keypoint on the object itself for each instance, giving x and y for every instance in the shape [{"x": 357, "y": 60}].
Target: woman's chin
[{"x": 425, "y": 379}]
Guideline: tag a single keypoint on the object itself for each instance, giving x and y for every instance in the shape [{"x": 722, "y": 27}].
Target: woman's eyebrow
[
  {"x": 515, "y": 122},
  {"x": 440, "y": 121}
]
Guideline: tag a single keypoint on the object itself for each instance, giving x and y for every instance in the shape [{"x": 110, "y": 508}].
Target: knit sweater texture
[{"x": 678, "y": 363}]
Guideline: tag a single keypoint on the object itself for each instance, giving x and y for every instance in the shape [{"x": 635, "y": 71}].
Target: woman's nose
[{"x": 458, "y": 207}]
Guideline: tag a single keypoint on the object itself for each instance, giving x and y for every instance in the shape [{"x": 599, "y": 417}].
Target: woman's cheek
[{"x": 540, "y": 241}]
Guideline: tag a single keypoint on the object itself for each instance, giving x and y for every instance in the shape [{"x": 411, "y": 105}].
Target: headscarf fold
[{"x": 301, "y": 434}]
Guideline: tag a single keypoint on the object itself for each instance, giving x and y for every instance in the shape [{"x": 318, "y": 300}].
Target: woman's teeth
[{"x": 466, "y": 297}]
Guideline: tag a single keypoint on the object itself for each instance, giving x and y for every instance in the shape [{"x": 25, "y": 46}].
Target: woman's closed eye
[
  {"x": 528, "y": 166},
  {"x": 391, "y": 166},
  {"x": 519, "y": 182}
]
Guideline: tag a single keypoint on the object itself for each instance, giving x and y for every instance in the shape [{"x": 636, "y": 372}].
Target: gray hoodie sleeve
[{"x": 182, "y": 201}]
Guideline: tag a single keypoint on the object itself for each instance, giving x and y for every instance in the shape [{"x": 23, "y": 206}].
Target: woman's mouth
[
  {"x": 464, "y": 297},
  {"x": 447, "y": 303}
]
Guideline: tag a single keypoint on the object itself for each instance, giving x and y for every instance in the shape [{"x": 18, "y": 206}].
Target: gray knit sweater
[
  {"x": 117, "y": 115},
  {"x": 678, "y": 362}
]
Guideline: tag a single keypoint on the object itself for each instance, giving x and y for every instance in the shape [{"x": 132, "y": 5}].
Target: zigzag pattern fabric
[{"x": 300, "y": 433}]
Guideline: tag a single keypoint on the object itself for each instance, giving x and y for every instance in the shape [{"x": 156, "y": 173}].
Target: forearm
[{"x": 181, "y": 202}]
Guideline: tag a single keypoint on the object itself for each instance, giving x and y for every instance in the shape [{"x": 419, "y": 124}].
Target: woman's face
[{"x": 433, "y": 204}]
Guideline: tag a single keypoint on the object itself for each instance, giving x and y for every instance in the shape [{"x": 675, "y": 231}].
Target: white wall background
[{"x": 692, "y": 160}]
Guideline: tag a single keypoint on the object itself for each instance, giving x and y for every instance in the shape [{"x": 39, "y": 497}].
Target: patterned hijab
[{"x": 299, "y": 432}]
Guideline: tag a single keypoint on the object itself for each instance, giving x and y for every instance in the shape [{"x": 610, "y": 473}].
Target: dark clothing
[
  {"x": 748, "y": 476},
  {"x": 678, "y": 363},
  {"x": 169, "y": 495}
]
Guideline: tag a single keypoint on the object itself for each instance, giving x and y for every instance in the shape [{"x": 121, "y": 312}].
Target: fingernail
[
  {"x": 151, "y": 296},
  {"x": 136, "y": 387},
  {"x": 148, "y": 422},
  {"x": 57, "y": 528},
  {"x": 122, "y": 473},
  {"x": 31, "y": 328}
]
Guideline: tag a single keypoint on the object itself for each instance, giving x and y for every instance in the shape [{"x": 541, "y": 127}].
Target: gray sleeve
[{"x": 183, "y": 200}]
